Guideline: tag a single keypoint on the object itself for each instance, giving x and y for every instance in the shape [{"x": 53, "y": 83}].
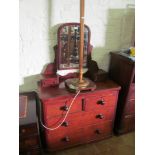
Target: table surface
[{"x": 60, "y": 90}]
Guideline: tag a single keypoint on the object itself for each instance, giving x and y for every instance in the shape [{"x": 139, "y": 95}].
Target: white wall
[{"x": 111, "y": 23}]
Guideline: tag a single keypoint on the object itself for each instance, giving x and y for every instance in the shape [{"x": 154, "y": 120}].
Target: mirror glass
[{"x": 69, "y": 46}]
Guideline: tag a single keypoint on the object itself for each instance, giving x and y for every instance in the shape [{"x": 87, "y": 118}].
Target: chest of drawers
[
  {"x": 122, "y": 71},
  {"x": 90, "y": 118},
  {"x": 29, "y": 138}
]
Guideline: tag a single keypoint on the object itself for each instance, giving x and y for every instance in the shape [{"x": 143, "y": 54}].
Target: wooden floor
[{"x": 117, "y": 145}]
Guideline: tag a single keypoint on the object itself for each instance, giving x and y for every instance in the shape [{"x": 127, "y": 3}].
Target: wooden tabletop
[{"x": 50, "y": 92}]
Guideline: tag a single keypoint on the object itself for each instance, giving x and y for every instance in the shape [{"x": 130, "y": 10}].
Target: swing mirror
[{"x": 69, "y": 46}]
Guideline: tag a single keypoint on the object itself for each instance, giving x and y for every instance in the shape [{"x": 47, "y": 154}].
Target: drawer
[
  {"x": 101, "y": 100},
  {"x": 82, "y": 135},
  {"x": 127, "y": 123},
  {"x": 91, "y": 101},
  {"x": 78, "y": 120},
  {"x": 66, "y": 140},
  {"x": 27, "y": 130},
  {"x": 130, "y": 108},
  {"x": 59, "y": 107},
  {"x": 98, "y": 131},
  {"x": 29, "y": 143}
]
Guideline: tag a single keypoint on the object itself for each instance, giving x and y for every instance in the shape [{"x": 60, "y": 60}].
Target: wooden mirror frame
[{"x": 58, "y": 48}]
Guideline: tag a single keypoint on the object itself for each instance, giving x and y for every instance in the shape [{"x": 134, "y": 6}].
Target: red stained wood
[
  {"x": 56, "y": 107},
  {"x": 60, "y": 143},
  {"x": 91, "y": 111},
  {"x": 78, "y": 120},
  {"x": 82, "y": 135},
  {"x": 50, "y": 69},
  {"x": 98, "y": 131},
  {"x": 60, "y": 90}
]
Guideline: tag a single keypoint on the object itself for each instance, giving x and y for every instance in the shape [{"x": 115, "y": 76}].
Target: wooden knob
[
  {"x": 65, "y": 124},
  {"x": 65, "y": 108},
  {"x": 66, "y": 139},
  {"x": 101, "y": 102},
  {"x": 23, "y": 130},
  {"x": 97, "y": 131},
  {"x": 100, "y": 116}
]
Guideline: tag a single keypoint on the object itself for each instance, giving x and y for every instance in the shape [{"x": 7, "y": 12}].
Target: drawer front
[
  {"x": 79, "y": 120},
  {"x": 29, "y": 143},
  {"x": 101, "y": 100},
  {"x": 84, "y": 102},
  {"x": 98, "y": 131},
  {"x": 66, "y": 140},
  {"x": 27, "y": 130},
  {"x": 57, "y": 107},
  {"x": 82, "y": 135}
]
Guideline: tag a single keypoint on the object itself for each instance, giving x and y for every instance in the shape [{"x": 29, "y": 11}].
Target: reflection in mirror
[{"x": 69, "y": 46}]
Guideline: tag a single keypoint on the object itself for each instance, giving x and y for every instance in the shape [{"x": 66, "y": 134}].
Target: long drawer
[
  {"x": 82, "y": 135},
  {"x": 59, "y": 106},
  {"x": 78, "y": 120}
]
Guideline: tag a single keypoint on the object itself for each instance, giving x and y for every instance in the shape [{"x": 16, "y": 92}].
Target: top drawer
[
  {"x": 59, "y": 106},
  {"x": 101, "y": 100},
  {"x": 84, "y": 102}
]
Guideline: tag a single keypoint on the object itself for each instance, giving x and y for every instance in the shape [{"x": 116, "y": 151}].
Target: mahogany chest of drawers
[
  {"x": 122, "y": 71},
  {"x": 90, "y": 118},
  {"x": 29, "y": 139}
]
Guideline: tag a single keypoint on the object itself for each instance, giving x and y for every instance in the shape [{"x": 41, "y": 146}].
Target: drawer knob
[
  {"x": 23, "y": 130},
  {"x": 100, "y": 116},
  {"x": 65, "y": 108},
  {"x": 65, "y": 124},
  {"x": 101, "y": 102},
  {"x": 66, "y": 139},
  {"x": 97, "y": 131}
]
